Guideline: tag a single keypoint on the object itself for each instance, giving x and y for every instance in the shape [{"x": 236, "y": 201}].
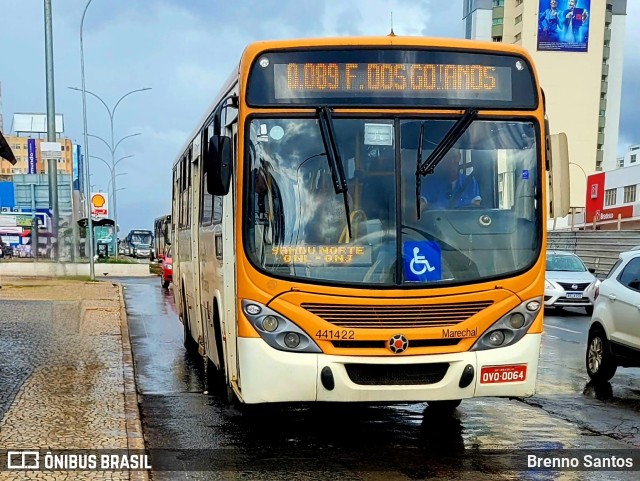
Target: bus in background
[
  {"x": 364, "y": 220},
  {"x": 138, "y": 243},
  {"x": 161, "y": 236}
]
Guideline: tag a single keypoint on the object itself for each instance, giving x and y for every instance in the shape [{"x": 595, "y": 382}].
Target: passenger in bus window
[{"x": 449, "y": 187}]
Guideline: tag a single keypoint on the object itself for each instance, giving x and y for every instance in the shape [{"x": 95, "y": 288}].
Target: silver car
[
  {"x": 568, "y": 283},
  {"x": 614, "y": 336}
]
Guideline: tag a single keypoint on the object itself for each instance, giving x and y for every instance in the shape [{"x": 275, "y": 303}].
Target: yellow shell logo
[{"x": 98, "y": 200}]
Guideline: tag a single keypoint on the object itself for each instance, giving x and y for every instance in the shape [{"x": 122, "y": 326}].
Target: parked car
[
  {"x": 167, "y": 269},
  {"x": 568, "y": 283},
  {"x": 614, "y": 335}
]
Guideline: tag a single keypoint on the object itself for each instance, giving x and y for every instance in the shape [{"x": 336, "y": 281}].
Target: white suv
[{"x": 614, "y": 336}]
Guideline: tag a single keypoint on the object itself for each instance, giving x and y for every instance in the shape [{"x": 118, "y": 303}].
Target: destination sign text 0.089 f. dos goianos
[{"x": 461, "y": 81}]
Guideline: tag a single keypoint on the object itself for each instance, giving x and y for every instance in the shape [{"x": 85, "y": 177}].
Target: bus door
[
  {"x": 217, "y": 263},
  {"x": 197, "y": 326},
  {"x": 210, "y": 270},
  {"x": 228, "y": 254}
]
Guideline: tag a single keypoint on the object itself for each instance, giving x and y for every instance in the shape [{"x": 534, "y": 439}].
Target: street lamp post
[
  {"x": 51, "y": 130},
  {"x": 87, "y": 187},
  {"x": 109, "y": 167},
  {"x": 113, "y": 146},
  {"x": 109, "y": 183}
]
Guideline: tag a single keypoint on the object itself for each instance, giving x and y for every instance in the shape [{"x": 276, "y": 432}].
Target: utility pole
[
  {"x": 52, "y": 163},
  {"x": 92, "y": 268}
]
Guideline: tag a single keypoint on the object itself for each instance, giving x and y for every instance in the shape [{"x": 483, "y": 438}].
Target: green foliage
[{"x": 119, "y": 260}]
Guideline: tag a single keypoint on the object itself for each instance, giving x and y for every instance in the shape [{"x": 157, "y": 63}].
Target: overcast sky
[{"x": 184, "y": 50}]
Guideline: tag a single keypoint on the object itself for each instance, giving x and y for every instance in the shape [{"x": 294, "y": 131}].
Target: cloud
[{"x": 185, "y": 50}]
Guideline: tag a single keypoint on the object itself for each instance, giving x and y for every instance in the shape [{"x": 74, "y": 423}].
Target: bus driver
[{"x": 449, "y": 187}]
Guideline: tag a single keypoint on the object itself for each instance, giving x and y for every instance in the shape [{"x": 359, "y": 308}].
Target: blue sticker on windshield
[
  {"x": 422, "y": 261},
  {"x": 525, "y": 174}
]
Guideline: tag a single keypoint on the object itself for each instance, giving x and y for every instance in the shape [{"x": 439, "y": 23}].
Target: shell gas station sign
[{"x": 99, "y": 205}]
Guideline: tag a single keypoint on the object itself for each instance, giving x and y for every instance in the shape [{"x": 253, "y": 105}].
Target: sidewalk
[{"x": 66, "y": 372}]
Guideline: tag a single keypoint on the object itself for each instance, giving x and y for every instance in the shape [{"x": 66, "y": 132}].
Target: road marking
[{"x": 562, "y": 329}]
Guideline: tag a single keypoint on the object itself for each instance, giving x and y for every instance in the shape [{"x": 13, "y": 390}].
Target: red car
[{"x": 167, "y": 269}]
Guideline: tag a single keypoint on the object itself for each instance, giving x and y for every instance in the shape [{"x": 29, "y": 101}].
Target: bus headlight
[
  {"x": 511, "y": 327},
  {"x": 276, "y": 330},
  {"x": 496, "y": 338},
  {"x": 292, "y": 340},
  {"x": 517, "y": 320},
  {"x": 270, "y": 323}
]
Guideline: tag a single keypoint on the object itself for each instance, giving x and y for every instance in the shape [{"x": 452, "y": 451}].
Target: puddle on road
[{"x": 403, "y": 442}]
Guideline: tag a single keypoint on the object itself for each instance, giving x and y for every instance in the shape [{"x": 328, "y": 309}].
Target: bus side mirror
[
  {"x": 218, "y": 164},
  {"x": 559, "y": 197}
]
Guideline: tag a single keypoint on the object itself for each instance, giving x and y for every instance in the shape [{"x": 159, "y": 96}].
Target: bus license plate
[
  {"x": 495, "y": 374},
  {"x": 574, "y": 295}
]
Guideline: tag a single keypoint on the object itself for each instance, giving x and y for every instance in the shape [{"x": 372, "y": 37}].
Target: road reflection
[
  {"x": 603, "y": 391},
  {"x": 344, "y": 441}
]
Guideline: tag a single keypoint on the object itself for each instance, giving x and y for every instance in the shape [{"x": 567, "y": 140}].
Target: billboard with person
[{"x": 563, "y": 25}]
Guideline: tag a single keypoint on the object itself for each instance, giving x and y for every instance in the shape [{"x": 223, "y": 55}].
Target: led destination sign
[
  {"x": 392, "y": 77},
  {"x": 462, "y": 81}
]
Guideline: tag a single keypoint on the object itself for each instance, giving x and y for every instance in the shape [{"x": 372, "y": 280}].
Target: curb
[{"x": 135, "y": 438}]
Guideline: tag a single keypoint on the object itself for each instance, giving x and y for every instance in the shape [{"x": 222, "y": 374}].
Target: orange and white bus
[{"x": 363, "y": 219}]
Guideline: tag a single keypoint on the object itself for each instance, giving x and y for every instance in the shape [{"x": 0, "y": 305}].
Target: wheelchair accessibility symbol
[
  {"x": 419, "y": 264},
  {"x": 422, "y": 261}
]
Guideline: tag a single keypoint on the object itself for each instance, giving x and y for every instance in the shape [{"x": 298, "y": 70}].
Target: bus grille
[
  {"x": 397, "y": 374},
  {"x": 383, "y": 344},
  {"x": 396, "y": 316}
]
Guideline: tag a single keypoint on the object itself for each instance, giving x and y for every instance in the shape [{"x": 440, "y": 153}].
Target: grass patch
[{"x": 119, "y": 260}]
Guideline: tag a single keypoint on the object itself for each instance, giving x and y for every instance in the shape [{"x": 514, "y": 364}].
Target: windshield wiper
[
  {"x": 418, "y": 174},
  {"x": 335, "y": 161},
  {"x": 448, "y": 141}
]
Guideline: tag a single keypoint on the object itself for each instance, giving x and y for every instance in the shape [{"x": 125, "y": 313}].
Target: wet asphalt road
[{"x": 399, "y": 442}]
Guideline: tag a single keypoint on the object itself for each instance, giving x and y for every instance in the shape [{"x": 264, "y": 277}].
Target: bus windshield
[
  {"x": 141, "y": 238},
  {"x": 479, "y": 208}
]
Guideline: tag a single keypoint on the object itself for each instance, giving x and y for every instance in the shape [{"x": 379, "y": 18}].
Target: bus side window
[
  {"x": 206, "y": 201},
  {"x": 189, "y": 191},
  {"x": 217, "y": 210},
  {"x": 182, "y": 184}
]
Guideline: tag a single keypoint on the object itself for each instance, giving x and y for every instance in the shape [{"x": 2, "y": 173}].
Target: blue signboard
[
  {"x": 563, "y": 25},
  {"x": 7, "y": 195},
  {"x": 422, "y": 261},
  {"x": 76, "y": 179},
  {"x": 80, "y": 169},
  {"x": 32, "y": 160}
]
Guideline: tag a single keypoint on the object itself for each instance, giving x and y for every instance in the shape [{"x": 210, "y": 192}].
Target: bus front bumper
[{"x": 269, "y": 375}]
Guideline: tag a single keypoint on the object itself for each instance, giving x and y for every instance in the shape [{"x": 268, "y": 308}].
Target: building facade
[
  {"x": 19, "y": 145},
  {"x": 631, "y": 157},
  {"x": 477, "y": 17},
  {"x": 577, "y": 46},
  {"x": 613, "y": 198}
]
